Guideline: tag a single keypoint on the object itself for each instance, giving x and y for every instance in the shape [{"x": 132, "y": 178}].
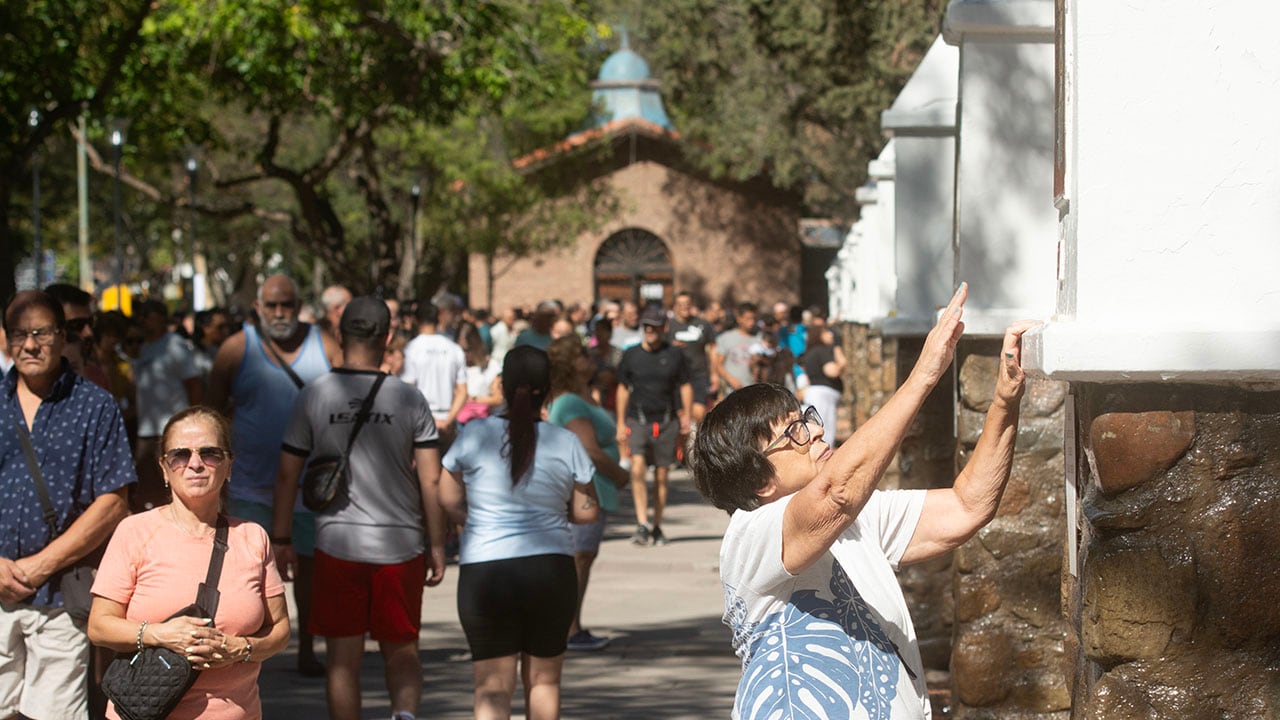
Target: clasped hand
[{"x": 205, "y": 646}]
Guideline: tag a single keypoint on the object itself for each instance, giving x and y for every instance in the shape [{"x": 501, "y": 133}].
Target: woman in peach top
[{"x": 157, "y": 559}]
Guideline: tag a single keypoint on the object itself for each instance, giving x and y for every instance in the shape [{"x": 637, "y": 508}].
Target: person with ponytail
[{"x": 515, "y": 483}]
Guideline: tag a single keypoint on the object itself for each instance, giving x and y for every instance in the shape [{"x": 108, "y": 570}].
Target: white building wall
[
  {"x": 922, "y": 123},
  {"x": 1006, "y": 223},
  {"x": 1171, "y": 242}
]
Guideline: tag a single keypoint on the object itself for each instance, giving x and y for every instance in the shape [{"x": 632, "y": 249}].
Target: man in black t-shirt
[
  {"x": 696, "y": 338},
  {"x": 651, "y": 376}
]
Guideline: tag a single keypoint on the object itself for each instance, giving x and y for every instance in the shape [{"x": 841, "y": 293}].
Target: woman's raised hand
[
  {"x": 940, "y": 345},
  {"x": 1011, "y": 379}
]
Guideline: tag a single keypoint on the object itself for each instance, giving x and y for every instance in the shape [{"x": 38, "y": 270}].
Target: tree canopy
[{"x": 313, "y": 119}]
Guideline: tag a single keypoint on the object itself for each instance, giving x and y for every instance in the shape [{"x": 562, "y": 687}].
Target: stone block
[
  {"x": 1134, "y": 448},
  {"x": 1043, "y": 398},
  {"x": 970, "y": 426},
  {"x": 1238, "y": 556},
  {"x": 980, "y": 664},
  {"x": 1003, "y": 538},
  {"x": 1042, "y": 692},
  {"x": 976, "y": 595},
  {"x": 1017, "y": 492},
  {"x": 875, "y": 350},
  {"x": 1031, "y": 591},
  {"x": 1135, "y": 604},
  {"x": 978, "y": 381}
]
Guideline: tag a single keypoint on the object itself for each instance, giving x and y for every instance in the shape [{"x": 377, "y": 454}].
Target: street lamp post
[
  {"x": 34, "y": 122},
  {"x": 118, "y": 129},
  {"x": 415, "y": 193},
  {"x": 193, "y": 169}
]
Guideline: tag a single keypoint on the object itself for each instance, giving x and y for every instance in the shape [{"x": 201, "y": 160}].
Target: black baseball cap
[
  {"x": 365, "y": 317},
  {"x": 653, "y": 315}
]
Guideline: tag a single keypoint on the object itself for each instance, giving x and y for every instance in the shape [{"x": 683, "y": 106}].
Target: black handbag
[
  {"x": 73, "y": 582},
  {"x": 325, "y": 479},
  {"x": 149, "y": 683}
]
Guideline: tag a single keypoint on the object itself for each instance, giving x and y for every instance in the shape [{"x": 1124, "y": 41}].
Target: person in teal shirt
[{"x": 573, "y": 408}]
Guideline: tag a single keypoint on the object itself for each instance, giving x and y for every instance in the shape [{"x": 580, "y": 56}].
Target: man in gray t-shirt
[
  {"x": 732, "y": 358},
  {"x": 370, "y": 566}
]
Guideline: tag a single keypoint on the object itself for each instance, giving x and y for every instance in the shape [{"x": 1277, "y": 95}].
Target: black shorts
[
  {"x": 701, "y": 388},
  {"x": 518, "y": 605},
  {"x": 657, "y": 448}
]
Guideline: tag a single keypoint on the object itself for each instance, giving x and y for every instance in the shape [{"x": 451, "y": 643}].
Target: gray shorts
[
  {"x": 658, "y": 448},
  {"x": 586, "y": 538}
]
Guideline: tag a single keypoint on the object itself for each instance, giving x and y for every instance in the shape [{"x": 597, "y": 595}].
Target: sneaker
[
  {"x": 658, "y": 537},
  {"x": 402, "y": 715},
  {"x": 584, "y": 640},
  {"x": 641, "y": 535}
]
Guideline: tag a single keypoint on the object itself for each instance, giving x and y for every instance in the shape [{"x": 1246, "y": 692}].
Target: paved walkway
[{"x": 670, "y": 656}]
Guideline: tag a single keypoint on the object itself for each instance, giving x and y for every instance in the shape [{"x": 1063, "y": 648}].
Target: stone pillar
[
  {"x": 1008, "y": 658},
  {"x": 1175, "y": 600}
]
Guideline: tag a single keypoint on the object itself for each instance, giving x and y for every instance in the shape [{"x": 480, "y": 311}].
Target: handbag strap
[
  {"x": 271, "y": 348},
  {"x": 365, "y": 408},
  {"x": 207, "y": 596},
  {"x": 37, "y": 478}
]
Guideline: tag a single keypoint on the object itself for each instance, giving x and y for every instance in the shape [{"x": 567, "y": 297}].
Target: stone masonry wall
[
  {"x": 877, "y": 365},
  {"x": 1175, "y": 611},
  {"x": 1008, "y": 658}
]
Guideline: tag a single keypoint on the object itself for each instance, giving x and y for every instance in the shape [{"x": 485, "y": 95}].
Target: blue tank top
[{"x": 263, "y": 394}]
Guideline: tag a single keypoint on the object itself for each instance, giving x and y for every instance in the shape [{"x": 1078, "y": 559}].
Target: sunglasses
[
  {"x": 78, "y": 325},
  {"x": 798, "y": 430},
  {"x": 177, "y": 458}
]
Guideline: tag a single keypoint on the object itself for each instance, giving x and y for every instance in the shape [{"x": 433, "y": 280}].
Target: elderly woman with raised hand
[
  {"x": 157, "y": 559},
  {"x": 573, "y": 408},
  {"x": 807, "y": 561},
  {"x": 516, "y": 483}
]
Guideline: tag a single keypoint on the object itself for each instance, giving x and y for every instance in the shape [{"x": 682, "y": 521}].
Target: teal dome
[{"x": 624, "y": 66}]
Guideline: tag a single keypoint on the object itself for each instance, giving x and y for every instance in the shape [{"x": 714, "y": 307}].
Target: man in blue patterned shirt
[{"x": 79, "y": 441}]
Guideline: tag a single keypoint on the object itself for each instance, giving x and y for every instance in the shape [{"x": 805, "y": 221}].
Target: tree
[
  {"x": 63, "y": 58},
  {"x": 793, "y": 89}
]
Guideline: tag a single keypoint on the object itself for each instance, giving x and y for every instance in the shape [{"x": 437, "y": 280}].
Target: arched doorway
[{"x": 634, "y": 264}]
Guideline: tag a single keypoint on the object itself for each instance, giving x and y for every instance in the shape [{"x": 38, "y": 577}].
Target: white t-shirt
[
  {"x": 835, "y": 641},
  {"x": 531, "y": 518},
  {"x": 480, "y": 379},
  {"x": 158, "y": 372},
  {"x": 435, "y": 365}
]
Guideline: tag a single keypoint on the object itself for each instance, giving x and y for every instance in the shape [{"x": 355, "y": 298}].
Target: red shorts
[{"x": 354, "y": 598}]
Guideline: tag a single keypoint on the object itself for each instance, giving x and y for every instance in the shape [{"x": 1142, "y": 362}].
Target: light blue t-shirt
[{"x": 531, "y": 518}]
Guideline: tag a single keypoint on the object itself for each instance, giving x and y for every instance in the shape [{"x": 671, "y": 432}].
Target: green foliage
[{"x": 790, "y": 89}]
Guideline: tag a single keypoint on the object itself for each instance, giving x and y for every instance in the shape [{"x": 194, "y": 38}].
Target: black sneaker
[
  {"x": 658, "y": 537},
  {"x": 641, "y": 535}
]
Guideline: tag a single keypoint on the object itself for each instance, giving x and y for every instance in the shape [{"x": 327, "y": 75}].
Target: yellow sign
[{"x": 117, "y": 297}]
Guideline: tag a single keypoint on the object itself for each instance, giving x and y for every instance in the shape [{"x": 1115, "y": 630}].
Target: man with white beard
[{"x": 256, "y": 376}]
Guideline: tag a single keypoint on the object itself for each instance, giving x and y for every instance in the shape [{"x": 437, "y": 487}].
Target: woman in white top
[
  {"x": 484, "y": 376},
  {"x": 515, "y": 483}
]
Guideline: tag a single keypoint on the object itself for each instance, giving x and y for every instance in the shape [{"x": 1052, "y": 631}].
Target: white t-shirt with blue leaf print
[{"x": 836, "y": 641}]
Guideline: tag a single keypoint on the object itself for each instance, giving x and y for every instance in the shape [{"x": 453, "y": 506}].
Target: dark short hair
[
  {"x": 428, "y": 313},
  {"x": 68, "y": 294},
  {"x": 729, "y": 467},
  {"x": 28, "y": 299},
  {"x": 745, "y": 308},
  {"x": 151, "y": 307}
]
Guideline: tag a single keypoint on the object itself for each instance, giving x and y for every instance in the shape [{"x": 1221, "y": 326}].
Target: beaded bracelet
[
  {"x": 141, "y": 628},
  {"x": 248, "y": 650}
]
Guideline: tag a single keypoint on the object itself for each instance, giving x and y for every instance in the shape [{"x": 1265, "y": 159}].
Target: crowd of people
[{"x": 499, "y": 441}]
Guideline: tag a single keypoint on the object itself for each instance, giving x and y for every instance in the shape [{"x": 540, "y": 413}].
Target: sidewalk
[{"x": 670, "y": 656}]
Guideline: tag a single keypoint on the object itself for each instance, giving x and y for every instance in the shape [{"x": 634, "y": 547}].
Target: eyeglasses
[
  {"x": 798, "y": 431},
  {"x": 43, "y": 336},
  {"x": 177, "y": 458}
]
